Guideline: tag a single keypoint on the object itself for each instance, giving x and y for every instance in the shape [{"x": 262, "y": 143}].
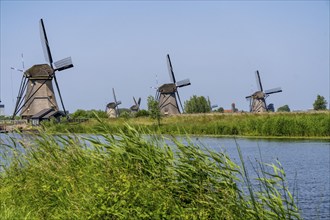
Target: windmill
[
  {"x": 36, "y": 84},
  {"x": 258, "y": 98},
  {"x": 112, "y": 107},
  {"x": 167, "y": 94},
  {"x": 211, "y": 106},
  {"x": 136, "y": 106}
]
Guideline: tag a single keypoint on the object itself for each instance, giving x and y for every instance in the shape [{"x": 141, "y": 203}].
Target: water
[{"x": 306, "y": 163}]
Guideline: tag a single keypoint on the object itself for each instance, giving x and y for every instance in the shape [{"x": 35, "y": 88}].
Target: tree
[
  {"x": 80, "y": 113},
  {"x": 284, "y": 108},
  {"x": 197, "y": 104},
  {"x": 221, "y": 110},
  {"x": 154, "y": 109},
  {"x": 320, "y": 103}
]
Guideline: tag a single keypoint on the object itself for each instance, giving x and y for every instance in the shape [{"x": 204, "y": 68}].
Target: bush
[
  {"x": 125, "y": 115},
  {"x": 142, "y": 113},
  {"x": 284, "y": 108}
]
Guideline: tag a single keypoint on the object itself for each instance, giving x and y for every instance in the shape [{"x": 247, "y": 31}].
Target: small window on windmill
[{"x": 166, "y": 111}]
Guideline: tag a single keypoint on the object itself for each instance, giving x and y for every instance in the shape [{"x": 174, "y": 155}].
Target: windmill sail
[
  {"x": 45, "y": 43},
  {"x": 182, "y": 83},
  {"x": 63, "y": 64},
  {"x": 258, "y": 81},
  {"x": 170, "y": 69},
  {"x": 275, "y": 90}
]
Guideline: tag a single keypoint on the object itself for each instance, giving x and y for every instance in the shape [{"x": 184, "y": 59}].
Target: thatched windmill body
[
  {"x": 258, "y": 98},
  {"x": 167, "y": 94},
  {"x": 37, "y": 83}
]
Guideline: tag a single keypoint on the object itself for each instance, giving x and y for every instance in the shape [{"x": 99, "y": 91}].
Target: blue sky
[{"x": 218, "y": 45}]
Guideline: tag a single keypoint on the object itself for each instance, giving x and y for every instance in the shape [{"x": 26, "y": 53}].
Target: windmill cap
[
  {"x": 39, "y": 71},
  {"x": 167, "y": 88}
]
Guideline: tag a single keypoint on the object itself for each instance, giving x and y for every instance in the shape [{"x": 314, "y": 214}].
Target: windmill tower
[
  {"x": 167, "y": 94},
  {"x": 258, "y": 98},
  {"x": 112, "y": 107},
  {"x": 37, "y": 83},
  {"x": 136, "y": 106}
]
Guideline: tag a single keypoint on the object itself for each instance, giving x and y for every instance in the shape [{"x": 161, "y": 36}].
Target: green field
[
  {"x": 287, "y": 125},
  {"x": 128, "y": 177}
]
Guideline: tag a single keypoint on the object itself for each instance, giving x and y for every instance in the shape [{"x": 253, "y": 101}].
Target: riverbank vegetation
[
  {"x": 303, "y": 125},
  {"x": 131, "y": 177}
]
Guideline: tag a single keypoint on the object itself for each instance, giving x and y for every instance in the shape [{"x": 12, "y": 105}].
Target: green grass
[
  {"x": 130, "y": 177},
  {"x": 301, "y": 125}
]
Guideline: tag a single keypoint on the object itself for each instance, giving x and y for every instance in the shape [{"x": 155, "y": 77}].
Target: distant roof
[
  {"x": 47, "y": 113},
  {"x": 54, "y": 114},
  {"x": 42, "y": 113}
]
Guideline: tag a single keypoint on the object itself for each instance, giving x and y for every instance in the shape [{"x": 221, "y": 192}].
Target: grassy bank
[
  {"x": 128, "y": 177},
  {"x": 303, "y": 125}
]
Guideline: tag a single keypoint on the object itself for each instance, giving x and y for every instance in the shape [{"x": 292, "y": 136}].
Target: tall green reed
[{"x": 131, "y": 176}]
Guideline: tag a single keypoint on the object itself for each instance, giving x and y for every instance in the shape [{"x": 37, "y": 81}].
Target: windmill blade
[
  {"x": 157, "y": 95},
  {"x": 170, "y": 69},
  {"x": 59, "y": 94},
  {"x": 19, "y": 70},
  {"x": 21, "y": 90},
  {"x": 258, "y": 81},
  {"x": 182, "y": 83},
  {"x": 139, "y": 101},
  {"x": 271, "y": 91},
  {"x": 114, "y": 95},
  {"x": 19, "y": 95},
  {"x": 134, "y": 100},
  {"x": 248, "y": 97},
  {"x": 180, "y": 101},
  {"x": 116, "y": 103},
  {"x": 63, "y": 64},
  {"x": 45, "y": 44},
  {"x": 23, "y": 63},
  {"x": 117, "y": 108}
]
